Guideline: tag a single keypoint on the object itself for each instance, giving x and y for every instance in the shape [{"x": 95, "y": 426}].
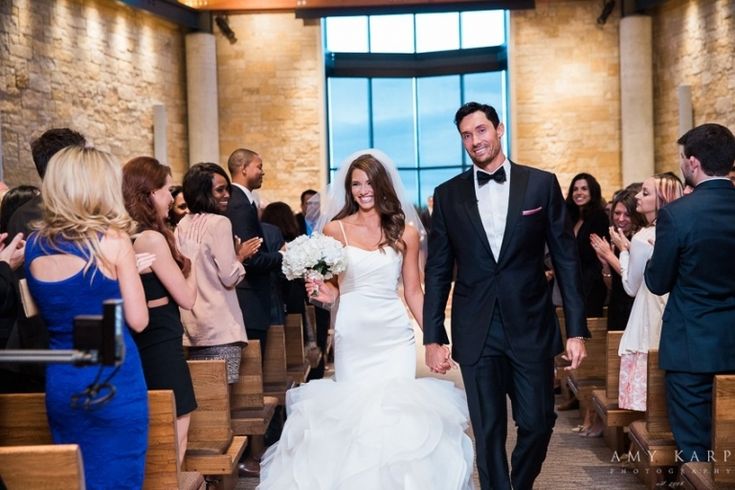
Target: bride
[{"x": 375, "y": 426}]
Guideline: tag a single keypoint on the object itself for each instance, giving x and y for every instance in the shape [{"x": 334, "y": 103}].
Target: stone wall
[
  {"x": 693, "y": 44},
  {"x": 565, "y": 91},
  {"x": 96, "y": 66},
  {"x": 271, "y": 100}
]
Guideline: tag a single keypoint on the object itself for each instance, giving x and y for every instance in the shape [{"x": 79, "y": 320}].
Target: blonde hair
[
  {"x": 82, "y": 200},
  {"x": 668, "y": 188}
]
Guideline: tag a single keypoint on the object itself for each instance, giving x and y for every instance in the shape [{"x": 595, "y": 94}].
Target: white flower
[{"x": 316, "y": 257}]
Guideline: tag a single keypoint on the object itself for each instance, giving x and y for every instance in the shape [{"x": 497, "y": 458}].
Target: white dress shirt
[{"x": 492, "y": 203}]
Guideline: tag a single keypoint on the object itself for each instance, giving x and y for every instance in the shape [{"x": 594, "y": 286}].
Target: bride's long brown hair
[{"x": 387, "y": 204}]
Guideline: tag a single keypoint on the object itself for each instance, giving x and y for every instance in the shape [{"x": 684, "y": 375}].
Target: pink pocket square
[{"x": 529, "y": 212}]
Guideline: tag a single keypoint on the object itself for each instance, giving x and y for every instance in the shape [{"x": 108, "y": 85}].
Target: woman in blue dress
[{"x": 81, "y": 256}]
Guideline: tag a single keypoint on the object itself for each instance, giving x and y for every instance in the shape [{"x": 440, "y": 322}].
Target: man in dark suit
[
  {"x": 692, "y": 260},
  {"x": 491, "y": 223},
  {"x": 253, "y": 292},
  {"x": 306, "y": 226},
  {"x": 31, "y": 333}
]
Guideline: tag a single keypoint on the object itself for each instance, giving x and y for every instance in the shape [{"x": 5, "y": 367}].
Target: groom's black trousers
[{"x": 530, "y": 386}]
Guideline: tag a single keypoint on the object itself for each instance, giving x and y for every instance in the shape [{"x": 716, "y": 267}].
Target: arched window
[{"x": 394, "y": 82}]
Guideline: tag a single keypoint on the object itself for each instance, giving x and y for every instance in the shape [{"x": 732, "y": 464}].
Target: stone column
[
  {"x": 686, "y": 114},
  {"x": 201, "y": 95},
  {"x": 636, "y": 98},
  {"x": 160, "y": 126}
]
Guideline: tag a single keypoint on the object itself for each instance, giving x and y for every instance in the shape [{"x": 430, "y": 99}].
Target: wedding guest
[
  {"x": 14, "y": 199},
  {"x": 306, "y": 226},
  {"x": 626, "y": 220},
  {"x": 80, "y": 257},
  {"x": 254, "y": 292},
  {"x": 643, "y": 330},
  {"x": 179, "y": 209},
  {"x": 692, "y": 260},
  {"x": 587, "y": 211},
  {"x": 169, "y": 284},
  {"x": 31, "y": 333},
  {"x": 214, "y": 327}
]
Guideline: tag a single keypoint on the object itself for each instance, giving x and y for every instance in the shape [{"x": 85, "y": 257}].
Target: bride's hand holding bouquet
[{"x": 315, "y": 258}]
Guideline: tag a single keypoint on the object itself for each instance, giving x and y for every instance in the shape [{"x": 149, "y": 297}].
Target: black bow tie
[{"x": 484, "y": 177}]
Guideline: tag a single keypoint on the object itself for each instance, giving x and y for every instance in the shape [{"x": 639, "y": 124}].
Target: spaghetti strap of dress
[{"x": 344, "y": 235}]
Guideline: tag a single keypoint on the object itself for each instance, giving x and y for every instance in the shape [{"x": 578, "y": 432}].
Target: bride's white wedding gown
[{"x": 375, "y": 426}]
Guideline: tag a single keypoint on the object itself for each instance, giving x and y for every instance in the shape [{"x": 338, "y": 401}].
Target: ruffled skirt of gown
[{"x": 393, "y": 434}]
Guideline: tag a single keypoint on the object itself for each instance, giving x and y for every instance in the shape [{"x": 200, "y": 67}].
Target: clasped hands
[{"x": 439, "y": 358}]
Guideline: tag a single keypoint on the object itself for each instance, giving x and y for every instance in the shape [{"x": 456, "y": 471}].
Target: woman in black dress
[
  {"x": 168, "y": 284},
  {"x": 587, "y": 211}
]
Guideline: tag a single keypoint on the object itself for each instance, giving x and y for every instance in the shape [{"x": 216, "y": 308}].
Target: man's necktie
[{"x": 484, "y": 177}]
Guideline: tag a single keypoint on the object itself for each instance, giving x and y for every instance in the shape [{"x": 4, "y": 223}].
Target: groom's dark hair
[
  {"x": 713, "y": 145},
  {"x": 470, "y": 107}
]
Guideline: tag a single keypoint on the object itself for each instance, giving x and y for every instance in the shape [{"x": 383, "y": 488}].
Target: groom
[{"x": 491, "y": 223}]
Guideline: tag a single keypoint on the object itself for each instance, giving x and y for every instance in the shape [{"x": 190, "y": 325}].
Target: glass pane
[
  {"x": 348, "y": 118},
  {"x": 437, "y": 32},
  {"x": 411, "y": 183},
  {"x": 393, "y": 121},
  {"x": 489, "y": 88},
  {"x": 347, "y": 34},
  {"x": 438, "y": 100},
  {"x": 391, "y": 33},
  {"x": 483, "y": 28},
  {"x": 430, "y": 179}
]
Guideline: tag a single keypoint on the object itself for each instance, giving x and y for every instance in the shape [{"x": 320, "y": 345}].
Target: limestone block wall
[
  {"x": 96, "y": 66},
  {"x": 271, "y": 100},
  {"x": 694, "y": 44},
  {"x": 565, "y": 91}
]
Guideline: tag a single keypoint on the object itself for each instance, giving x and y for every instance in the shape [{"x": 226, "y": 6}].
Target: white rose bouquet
[{"x": 315, "y": 257}]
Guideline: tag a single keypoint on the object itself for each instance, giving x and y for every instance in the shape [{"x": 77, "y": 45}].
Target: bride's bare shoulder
[{"x": 333, "y": 230}]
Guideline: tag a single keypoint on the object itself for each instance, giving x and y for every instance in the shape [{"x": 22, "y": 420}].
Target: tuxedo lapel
[
  {"x": 469, "y": 198},
  {"x": 518, "y": 185}
]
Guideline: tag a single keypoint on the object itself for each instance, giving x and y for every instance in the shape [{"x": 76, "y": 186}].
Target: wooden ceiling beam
[{"x": 292, "y": 5}]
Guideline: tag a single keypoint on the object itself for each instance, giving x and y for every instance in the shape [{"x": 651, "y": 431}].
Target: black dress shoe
[{"x": 245, "y": 471}]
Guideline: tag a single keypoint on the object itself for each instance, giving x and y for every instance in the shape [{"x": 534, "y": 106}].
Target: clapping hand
[
  {"x": 601, "y": 247},
  {"x": 618, "y": 238},
  {"x": 438, "y": 358},
  {"x": 14, "y": 252},
  {"x": 248, "y": 248},
  {"x": 144, "y": 260}
]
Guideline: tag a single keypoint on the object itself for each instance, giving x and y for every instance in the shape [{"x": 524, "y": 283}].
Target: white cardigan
[{"x": 643, "y": 330}]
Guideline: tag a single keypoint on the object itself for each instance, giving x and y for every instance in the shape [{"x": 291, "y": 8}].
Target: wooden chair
[
  {"x": 162, "y": 467},
  {"x": 276, "y": 381},
  {"x": 605, "y": 401},
  {"x": 651, "y": 442},
  {"x": 719, "y": 473},
  {"x": 298, "y": 366},
  {"x": 42, "y": 467},
  {"x": 250, "y": 410},
  {"x": 591, "y": 374},
  {"x": 212, "y": 448}
]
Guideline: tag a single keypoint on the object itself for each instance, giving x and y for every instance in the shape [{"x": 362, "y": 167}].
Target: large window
[{"x": 394, "y": 82}]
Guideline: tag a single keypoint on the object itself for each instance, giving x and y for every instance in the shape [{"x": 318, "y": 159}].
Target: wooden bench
[
  {"x": 605, "y": 401},
  {"x": 652, "y": 445},
  {"x": 213, "y": 450},
  {"x": 250, "y": 410},
  {"x": 591, "y": 374},
  {"x": 298, "y": 366},
  {"x": 719, "y": 473},
  {"x": 23, "y": 421},
  {"x": 276, "y": 381},
  {"x": 162, "y": 468},
  {"x": 42, "y": 467}
]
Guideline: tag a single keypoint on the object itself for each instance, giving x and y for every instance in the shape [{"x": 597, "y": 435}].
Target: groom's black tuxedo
[
  {"x": 504, "y": 331},
  {"x": 515, "y": 281}
]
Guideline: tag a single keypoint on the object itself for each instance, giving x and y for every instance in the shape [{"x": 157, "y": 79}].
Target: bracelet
[
  {"x": 606, "y": 274},
  {"x": 583, "y": 339}
]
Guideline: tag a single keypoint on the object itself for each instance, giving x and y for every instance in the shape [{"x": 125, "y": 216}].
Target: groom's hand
[
  {"x": 437, "y": 358},
  {"x": 575, "y": 353}
]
